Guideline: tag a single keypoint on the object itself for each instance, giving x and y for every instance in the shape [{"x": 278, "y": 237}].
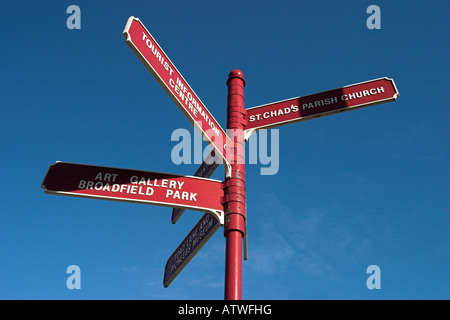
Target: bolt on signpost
[{"x": 224, "y": 203}]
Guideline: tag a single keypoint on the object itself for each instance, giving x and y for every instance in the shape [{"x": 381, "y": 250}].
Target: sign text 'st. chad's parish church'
[{"x": 316, "y": 105}]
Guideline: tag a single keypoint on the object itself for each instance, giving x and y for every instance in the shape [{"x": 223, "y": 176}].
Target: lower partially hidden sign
[
  {"x": 205, "y": 170},
  {"x": 146, "y": 187},
  {"x": 193, "y": 242}
]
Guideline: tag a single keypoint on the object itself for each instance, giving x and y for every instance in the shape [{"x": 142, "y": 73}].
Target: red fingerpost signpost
[{"x": 223, "y": 201}]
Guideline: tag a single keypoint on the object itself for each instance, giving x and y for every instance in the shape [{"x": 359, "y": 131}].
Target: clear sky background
[{"x": 366, "y": 187}]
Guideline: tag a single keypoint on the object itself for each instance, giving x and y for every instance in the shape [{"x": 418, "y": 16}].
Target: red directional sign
[
  {"x": 205, "y": 170},
  {"x": 158, "y": 63},
  {"x": 193, "y": 242},
  {"x": 316, "y": 105},
  {"x": 146, "y": 187}
]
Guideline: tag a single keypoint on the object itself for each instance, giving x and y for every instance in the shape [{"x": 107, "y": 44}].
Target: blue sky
[{"x": 366, "y": 187}]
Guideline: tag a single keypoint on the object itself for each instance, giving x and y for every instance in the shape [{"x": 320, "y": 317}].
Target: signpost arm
[{"x": 234, "y": 189}]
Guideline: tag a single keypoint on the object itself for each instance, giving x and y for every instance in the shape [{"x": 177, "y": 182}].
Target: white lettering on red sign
[
  {"x": 157, "y": 54},
  {"x": 316, "y": 104},
  {"x": 181, "y": 88},
  {"x": 138, "y": 185},
  {"x": 273, "y": 113},
  {"x": 364, "y": 93}
]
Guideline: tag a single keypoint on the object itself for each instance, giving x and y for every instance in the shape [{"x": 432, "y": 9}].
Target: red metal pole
[{"x": 235, "y": 214}]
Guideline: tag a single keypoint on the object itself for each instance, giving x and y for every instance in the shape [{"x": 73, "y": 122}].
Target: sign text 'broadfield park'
[{"x": 146, "y": 187}]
